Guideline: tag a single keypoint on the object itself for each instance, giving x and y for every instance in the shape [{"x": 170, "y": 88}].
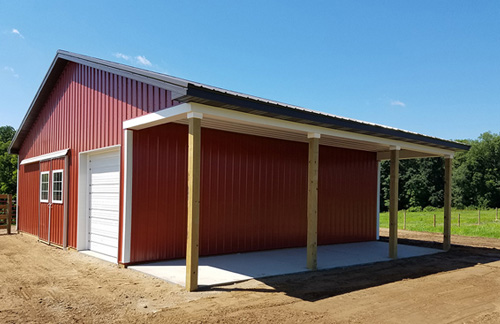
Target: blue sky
[{"x": 431, "y": 67}]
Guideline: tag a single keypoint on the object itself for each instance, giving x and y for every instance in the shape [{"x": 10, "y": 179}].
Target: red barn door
[{"x": 51, "y": 210}]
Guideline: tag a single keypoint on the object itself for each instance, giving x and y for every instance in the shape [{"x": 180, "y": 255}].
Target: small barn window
[
  {"x": 57, "y": 186},
  {"x": 44, "y": 186}
]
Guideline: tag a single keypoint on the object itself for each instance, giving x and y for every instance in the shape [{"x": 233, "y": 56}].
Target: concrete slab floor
[{"x": 229, "y": 268}]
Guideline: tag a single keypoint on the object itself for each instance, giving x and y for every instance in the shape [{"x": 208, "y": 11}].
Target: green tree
[
  {"x": 476, "y": 178},
  {"x": 8, "y": 162},
  {"x": 477, "y": 173},
  {"x": 421, "y": 183}
]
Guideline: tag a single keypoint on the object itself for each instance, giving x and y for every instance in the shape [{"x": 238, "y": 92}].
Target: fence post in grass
[
  {"x": 434, "y": 220},
  {"x": 404, "y": 224},
  {"x": 458, "y": 219},
  {"x": 478, "y": 217},
  {"x": 496, "y": 218}
]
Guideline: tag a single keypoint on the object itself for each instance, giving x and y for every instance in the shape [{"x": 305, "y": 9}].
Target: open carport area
[
  {"x": 230, "y": 268},
  {"x": 47, "y": 285}
]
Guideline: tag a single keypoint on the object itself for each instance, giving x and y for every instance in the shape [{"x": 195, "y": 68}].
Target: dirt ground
[{"x": 41, "y": 284}]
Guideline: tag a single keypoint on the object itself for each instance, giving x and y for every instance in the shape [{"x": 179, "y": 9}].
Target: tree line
[
  {"x": 475, "y": 178},
  {"x": 8, "y": 162}
]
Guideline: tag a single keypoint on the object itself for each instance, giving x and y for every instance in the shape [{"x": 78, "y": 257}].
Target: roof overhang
[
  {"x": 45, "y": 157},
  {"x": 246, "y": 123},
  {"x": 254, "y": 105}
]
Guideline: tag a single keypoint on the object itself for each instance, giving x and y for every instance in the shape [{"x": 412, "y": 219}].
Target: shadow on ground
[{"x": 314, "y": 286}]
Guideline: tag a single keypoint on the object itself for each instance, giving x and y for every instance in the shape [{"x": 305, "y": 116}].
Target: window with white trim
[
  {"x": 57, "y": 186},
  {"x": 44, "y": 186}
]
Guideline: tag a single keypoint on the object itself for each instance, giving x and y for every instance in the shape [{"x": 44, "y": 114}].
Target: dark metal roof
[{"x": 188, "y": 91}]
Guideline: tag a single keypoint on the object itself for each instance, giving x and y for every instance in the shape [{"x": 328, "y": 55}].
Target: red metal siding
[
  {"x": 347, "y": 195},
  {"x": 85, "y": 111},
  {"x": 56, "y": 210},
  {"x": 253, "y": 194},
  {"x": 159, "y": 204},
  {"x": 43, "y": 226},
  {"x": 29, "y": 198}
]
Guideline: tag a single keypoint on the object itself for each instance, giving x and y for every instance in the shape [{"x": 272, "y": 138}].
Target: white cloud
[
  {"x": 16, "y": 32},
  {"x": 11, "y": 70},
  {"x": 398, "y": 103},
  {"x": 139, "y": 59},
  {"x": 122, "y": 56},
  {"x": 143, "y": 60}
]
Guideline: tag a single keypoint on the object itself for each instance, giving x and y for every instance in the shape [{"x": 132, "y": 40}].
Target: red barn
[{"x": 122, "y": 161}]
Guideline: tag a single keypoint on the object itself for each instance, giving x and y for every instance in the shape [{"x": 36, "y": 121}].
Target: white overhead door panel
[{"x": 104, "y": 198}]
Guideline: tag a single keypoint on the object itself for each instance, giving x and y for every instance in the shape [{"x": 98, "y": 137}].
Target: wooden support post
[
  {"x": 478, "y": 217},
  {"x": 447, "y": 203},
  {"x": 434, "y": 220},
  {"x": 458, "y": 219},
  {"x": 9, "y": 213},
  {"x": 312, "y": 201},
  {"x": 193, "y": 221},
  {"x": 404, "y": 224},
  {"x": 393, "y": 204}
]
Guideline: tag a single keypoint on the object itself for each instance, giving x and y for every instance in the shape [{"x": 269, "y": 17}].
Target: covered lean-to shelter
[{"x": 124, "y": 162}]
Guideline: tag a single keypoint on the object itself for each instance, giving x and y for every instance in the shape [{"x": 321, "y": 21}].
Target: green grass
[{"x": 424, "y": 222}]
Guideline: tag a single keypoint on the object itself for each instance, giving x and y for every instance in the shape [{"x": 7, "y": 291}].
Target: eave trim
[{"x": 44, "y": 157}]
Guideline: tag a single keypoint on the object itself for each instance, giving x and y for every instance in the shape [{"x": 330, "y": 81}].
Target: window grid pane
[
  {"x": 44, "y": 187},
  {"x": 57, "y": 186}
]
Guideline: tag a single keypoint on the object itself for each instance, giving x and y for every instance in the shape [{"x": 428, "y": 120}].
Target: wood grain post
[
  {"x": 393, "y": 203},
  {"x": 458, "y": 219},
  {"x": 447, "y": 203},
  {"x": 193, "y": 221},
  {"x": 312, "y": 201},
  {"x": 434, "y": 220},
  {"x": 9, "y": 213}
]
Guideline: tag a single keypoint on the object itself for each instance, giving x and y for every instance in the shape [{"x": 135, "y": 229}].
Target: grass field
[{"x": 424, "y": 222}]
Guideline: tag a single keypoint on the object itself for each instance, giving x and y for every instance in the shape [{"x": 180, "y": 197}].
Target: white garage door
[{"x": 104, "y": 189}]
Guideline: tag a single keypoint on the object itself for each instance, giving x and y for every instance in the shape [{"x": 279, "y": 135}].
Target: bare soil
[{"x": 42, "y": 284}]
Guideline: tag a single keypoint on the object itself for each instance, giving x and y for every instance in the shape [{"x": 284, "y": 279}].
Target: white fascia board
[
  {"x": 48, "y": 156},
  {"x": 256, "y": 120},
  {"x": 157, "y": 118}
]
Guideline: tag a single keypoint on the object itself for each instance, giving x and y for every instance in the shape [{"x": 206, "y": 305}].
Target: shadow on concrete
[{"x": 314, "y": 286}]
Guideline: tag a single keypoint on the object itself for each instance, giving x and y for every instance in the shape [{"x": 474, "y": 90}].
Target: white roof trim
[
  {"x": 48, "y": 156},
  {"x": 157, "y": 118}
]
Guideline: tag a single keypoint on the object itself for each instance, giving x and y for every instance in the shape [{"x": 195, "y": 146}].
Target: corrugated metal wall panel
[
  {"x": 57, "y": 210},
  {"x": 253, "y": 193},
  {"x": 28, "y": 198},
  {"x": 85, "y": 111},
  {"x": 159, "y": 205},
  {"x": 43, "y": 226},
  {"x": 347, "y": 192}
]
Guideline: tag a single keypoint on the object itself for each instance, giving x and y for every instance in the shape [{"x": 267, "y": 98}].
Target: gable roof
[{"x": 188, "y": 91}]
